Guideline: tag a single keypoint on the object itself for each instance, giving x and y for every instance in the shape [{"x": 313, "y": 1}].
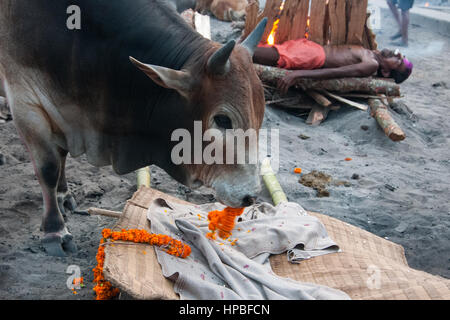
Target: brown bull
[
  {"x": 75, "y": 91},
  {"x": 225, "y": 10}
]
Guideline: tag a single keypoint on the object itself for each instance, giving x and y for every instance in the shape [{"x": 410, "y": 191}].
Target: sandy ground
[{"x": 401, "y": 194}]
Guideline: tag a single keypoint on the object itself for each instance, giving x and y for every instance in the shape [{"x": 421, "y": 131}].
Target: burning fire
[
  {"x": 427, "y": 4},
  {"x": 308, "y": 24},
  {"x": 271, "y": 37},
  {"x": 273, "y": 32}
]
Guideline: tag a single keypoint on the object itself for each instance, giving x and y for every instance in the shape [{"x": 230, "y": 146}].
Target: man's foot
[
  {"x": 396, "y": 36},
  {"x": 402, "y": 44}
]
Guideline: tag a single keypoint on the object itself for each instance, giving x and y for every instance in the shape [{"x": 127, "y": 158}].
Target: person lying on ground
[{"x": 313, "y": 61}]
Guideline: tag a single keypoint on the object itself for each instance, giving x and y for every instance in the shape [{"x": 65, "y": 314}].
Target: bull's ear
[{"x": 167, "y": 78}]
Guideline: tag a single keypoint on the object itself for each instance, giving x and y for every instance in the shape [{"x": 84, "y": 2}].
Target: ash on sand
[
  {"x": 415, "y": 212},
  {"x": 319, "y": 181}
]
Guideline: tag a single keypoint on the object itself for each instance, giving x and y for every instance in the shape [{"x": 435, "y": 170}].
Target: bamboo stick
[
  {"x": 374, "y": 86},
  {"x": 380, "y": 112},
  {"x": 272, "y": 183},
  {"x": 143, "y": 177}
]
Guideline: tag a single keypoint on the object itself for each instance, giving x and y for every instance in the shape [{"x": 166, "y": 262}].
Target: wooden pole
[
  {"x": 103, "y": 212},
  {"x": 380, "y": 112}
]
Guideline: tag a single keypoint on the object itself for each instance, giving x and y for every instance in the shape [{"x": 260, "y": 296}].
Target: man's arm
[{"x": 362, "y": 69}]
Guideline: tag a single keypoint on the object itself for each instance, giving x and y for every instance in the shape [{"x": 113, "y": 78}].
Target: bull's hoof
[
  {"x": 66, "y": 202},
  {"x": 59, "y": 244}
]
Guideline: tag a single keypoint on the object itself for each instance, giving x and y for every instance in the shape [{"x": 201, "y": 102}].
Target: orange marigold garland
[
  {"x": 103, "y": 288},
  {"x": 223, "y": 221}
]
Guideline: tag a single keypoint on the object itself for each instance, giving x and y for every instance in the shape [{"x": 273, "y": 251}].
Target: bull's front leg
[
  {"x": 65, "y": 198},
  {"x": 36, "y": 131}
]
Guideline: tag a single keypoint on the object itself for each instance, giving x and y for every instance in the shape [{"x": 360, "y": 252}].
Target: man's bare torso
[{"x": 339, "y": 56}]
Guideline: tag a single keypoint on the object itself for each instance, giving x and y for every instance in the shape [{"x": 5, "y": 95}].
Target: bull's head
[{"x": 222, "y": 90}]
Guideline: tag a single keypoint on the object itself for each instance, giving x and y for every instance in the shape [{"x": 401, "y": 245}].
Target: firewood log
[
  {"x": 380, "y": 112},
  {"x": 317, "y": 115},
  {"x": 319, "y": 98},
  {"x": 369, "y": 85}
]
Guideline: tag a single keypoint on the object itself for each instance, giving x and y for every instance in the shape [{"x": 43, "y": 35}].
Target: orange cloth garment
[{"x": 300, "y": 54}]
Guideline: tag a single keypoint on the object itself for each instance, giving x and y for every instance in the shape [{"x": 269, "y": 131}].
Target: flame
[
  {"x": 427, "y": 4},
  {"x": 271, "y": 37},
  {"x": 308, "y": 24}
]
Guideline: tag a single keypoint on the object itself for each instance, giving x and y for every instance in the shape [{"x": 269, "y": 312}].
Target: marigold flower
[
  {"x": 104, "y": 289},
  {"x": 223, "y": 221}
]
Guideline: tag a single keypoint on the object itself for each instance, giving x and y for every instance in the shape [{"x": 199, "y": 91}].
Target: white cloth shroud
[{"x": 216, "y": 269}]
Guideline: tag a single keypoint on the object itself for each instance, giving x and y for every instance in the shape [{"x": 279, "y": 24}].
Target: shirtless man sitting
[{"x": 313, "y": 61}]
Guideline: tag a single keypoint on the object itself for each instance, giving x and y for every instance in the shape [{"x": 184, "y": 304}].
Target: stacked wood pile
[
  {"x": 334, "y": 22},
  {"x": 326, "y": 22}
]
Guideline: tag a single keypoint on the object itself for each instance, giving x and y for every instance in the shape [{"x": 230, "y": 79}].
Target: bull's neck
[
  {"x": 153, "y": 112},
  {"x": 163, "y": 39}
]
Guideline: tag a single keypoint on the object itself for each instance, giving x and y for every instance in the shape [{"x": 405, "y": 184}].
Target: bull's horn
[
  {"x": 219, "y": 63},
  {"x": 254, "y": 38}
]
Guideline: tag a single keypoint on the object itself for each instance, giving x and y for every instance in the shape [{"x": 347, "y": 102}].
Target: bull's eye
[{"x": 223, "y": 122}]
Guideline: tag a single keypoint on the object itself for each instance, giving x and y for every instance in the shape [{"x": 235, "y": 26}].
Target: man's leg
[
  {"x": 393, "y": 6},
  {"x": 405, "y": 26},
  {"x": 266, "y": 56}
]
